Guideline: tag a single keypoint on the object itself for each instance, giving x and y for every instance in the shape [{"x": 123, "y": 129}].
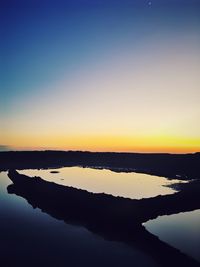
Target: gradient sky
[{"x": 100, "y": 75}]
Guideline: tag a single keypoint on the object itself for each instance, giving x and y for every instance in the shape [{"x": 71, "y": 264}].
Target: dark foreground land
[
  {"x": 186, "y": 166},
  {"x": 114, "y": 218}
]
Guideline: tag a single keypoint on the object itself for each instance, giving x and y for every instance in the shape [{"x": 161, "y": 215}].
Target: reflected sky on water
[
  {"x": 130, "y": 185},
  {"x": 30, "y": 237},
  {"x": 181, "y": 231}
]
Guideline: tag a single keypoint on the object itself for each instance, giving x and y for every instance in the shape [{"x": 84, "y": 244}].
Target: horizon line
[{"x": 88, "y": 151}]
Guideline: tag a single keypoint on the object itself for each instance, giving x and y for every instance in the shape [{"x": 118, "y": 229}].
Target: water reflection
[
  {"x": 182, "y": 231},
  {"x": 32, "y": 238},
  {"x": 130, "y": 185}
]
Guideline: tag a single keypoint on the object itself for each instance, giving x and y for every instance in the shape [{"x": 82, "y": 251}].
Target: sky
[{"x": 98, "y": 75}]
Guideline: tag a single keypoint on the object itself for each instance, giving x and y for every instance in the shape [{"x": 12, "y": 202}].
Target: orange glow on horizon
[{"x": 143, "y": 144}]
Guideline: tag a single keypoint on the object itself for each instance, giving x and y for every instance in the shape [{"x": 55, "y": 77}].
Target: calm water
[
  {"x": 49, "y": 242},
  {"x": 131, "y": 185},
  {"x": 180, "y": 230}
]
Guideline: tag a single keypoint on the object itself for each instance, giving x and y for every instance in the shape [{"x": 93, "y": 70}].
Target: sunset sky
[{"x": 100, "y": 75}]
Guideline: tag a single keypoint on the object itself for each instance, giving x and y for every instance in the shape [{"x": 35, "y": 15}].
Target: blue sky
[{"x": 48, "y": 43}]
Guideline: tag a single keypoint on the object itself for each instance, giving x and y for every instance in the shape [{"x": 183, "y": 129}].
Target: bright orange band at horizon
[{"x": 110, "y": 143}]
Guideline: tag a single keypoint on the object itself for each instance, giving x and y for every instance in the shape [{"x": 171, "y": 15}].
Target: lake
[
  {"x": 181, "y": 231},
  {"x": 130, "y": 185},
  {"x": 28, "y": 233}
]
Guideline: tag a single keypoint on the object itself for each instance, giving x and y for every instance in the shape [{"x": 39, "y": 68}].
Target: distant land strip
[{"x": 183, "y": 166}]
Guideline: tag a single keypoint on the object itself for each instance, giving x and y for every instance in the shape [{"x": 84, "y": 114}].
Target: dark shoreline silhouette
[
  {"x": 183, "y": 166},
  {"x": 114, "y": 218}
]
